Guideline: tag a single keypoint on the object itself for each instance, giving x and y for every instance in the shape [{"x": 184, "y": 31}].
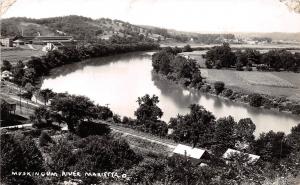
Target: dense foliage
[
  {"x": 177, "y": 67},
  {"x": 277, "y": 59},
  {"x": 29, "y": 72},
  {"x": 19, "y": 154},
  {"x": 148, "y": 116}
]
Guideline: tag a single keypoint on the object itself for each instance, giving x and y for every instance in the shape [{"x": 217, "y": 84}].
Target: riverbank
[{"x": 268, "y": 102}]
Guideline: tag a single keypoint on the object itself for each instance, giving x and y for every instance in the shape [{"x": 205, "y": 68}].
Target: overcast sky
[{"x": 185, "y": 15}]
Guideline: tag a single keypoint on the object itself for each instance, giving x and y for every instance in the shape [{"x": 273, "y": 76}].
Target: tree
[
  {"x": 219, "y": 86},
  {"x": 46, "y": 94},
  {"x": 73, "y": 109},
  {"x": 244, "y": 131},
  {"x": 255, "y": 100},
  {"x": 148, "y": 109},
  {"x": 272, "y": 147},
  {"x": 161, "y": 61},
  {"x": 41, "y": 117},
  {"x": 19, "y": 154},
  {"x": 224, "y": 133},
  {"x": 18, "y": 72},
  {"x": 44, "y": 139},
  {"x": 294, "y": 138},
  {"x": 187, "y": 48},
  {"x": 221, "y": 56},
  {"x": 196, "y": 127},
  {"x": 86, "y": 129},
  {"x": 6, "y": 66}
]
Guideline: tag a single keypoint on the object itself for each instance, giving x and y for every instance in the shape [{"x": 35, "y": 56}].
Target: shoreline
[{"x": 238, "y": 100}]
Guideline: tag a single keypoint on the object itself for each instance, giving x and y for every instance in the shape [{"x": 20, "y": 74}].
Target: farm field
[
  {"x": 15, "y": 54},
  {"x": 234, "y": 46},
  {"x": 271, "y": 83}
]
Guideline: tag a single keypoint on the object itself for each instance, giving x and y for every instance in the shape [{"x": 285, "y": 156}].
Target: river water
[{"x": 117, "y": 81}]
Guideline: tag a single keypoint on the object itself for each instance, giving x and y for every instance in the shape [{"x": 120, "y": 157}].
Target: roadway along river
[{"x": 119, "y": 80}]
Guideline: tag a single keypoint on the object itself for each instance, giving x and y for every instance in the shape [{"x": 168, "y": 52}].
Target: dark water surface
[{"x": 119, "y": 80}]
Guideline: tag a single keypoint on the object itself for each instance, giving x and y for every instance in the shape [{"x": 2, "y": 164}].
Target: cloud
[{"x": 293, "y": 5}]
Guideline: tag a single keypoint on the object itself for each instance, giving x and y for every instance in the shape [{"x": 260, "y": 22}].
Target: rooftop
[
  {"x": 230, "y": 152},
  {"x": 189, "y": 151}
]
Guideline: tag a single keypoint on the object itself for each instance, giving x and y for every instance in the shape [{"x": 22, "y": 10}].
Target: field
[
  {"x": 271, "y": 83},
  {"x": 15, "y": 54}
]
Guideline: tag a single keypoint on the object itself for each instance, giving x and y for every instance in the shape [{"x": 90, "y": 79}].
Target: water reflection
[{"x": 119, "y": 80}]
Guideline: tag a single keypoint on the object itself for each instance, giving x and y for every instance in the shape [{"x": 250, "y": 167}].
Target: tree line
[
  {"x": 200, "y": 128},
  {"x": 274, "y": 60},
  {"x": 176, "y": 67},
  {"x": 91, "y": 141},
  {"x": 36, "y": 67}
]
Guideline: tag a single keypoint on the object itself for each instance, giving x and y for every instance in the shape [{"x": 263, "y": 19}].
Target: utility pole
[{"x": 20, "y": 101}]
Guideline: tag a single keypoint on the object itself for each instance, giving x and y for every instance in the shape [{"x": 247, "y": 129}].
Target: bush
[
  {"x": 187, "y": 48},
  {"x": 219, "y": 86},
  {"x": 125, "y": 120},
  {"x": 86, "y": 129},
  {"x": 117, "y": 118},
  {"x": 249, "y": 68},
  {"x": 227, "y": 92},
  {"x": 44, "y": 139},
  {"x": 255, "y": 100},
  {"x": 296, "y": 109},
  {"x": 209, "y": 64},
  {"x": 239, "y": 67}
]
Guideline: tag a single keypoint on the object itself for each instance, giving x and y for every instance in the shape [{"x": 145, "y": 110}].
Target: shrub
[
  {"x": 296, "y": 109},
  {"x": 44, "y": 139},
  {"x": 255, "y": 100},
  {"x": 249, "y": 68},
  {"x": 227, "y": 92},
  {"x": 187, "y": 48},
  {"x": 205, "y": 88},
  {"x": 239, "y": 67},
  {"x": 125, "y": 120},
  {"x": 91, "y": 128},
  {"x": 209, "y": 64},
  {"x": 219, "y": 86},
  {"x": 117, "y": 118}
]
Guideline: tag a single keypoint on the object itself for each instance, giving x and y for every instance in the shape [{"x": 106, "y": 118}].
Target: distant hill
[
  {"x": 77, "y": 26},
  {"x": 84, "y": 28},
  {"x": 275, "y": 36}
]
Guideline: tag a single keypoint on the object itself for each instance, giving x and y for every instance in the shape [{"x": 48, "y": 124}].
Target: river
[{"x": 117, "y": 81}]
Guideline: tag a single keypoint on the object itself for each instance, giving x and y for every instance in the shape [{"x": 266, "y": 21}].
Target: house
[
  {"x": 6, "y": 75},
  {"x": 49, "y": 47},
  {"x": 194, "y": 153},
  {"x": 18, "y": 42},
  {"x": 11, "y": 106},
  {"x": 252, "y": 158},
  {"x": 7, "y": 42}
]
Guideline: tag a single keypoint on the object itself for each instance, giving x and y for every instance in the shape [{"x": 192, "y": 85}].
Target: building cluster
[
  {"x": 50, "y": 42},
  {"x": 201, "y": 156}
]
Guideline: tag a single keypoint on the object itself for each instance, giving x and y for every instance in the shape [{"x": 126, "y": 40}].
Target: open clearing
[
  {"x": 271, "y": 83},
  {"x": 15, "y": 54}
]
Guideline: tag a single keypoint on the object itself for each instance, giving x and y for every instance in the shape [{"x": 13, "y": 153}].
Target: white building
[
  {"x": 184, "y": 150},
  {"x": 252, "y": 158}
]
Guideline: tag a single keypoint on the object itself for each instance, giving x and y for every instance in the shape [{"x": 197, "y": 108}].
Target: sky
[{"x": 185, "y": 15}]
